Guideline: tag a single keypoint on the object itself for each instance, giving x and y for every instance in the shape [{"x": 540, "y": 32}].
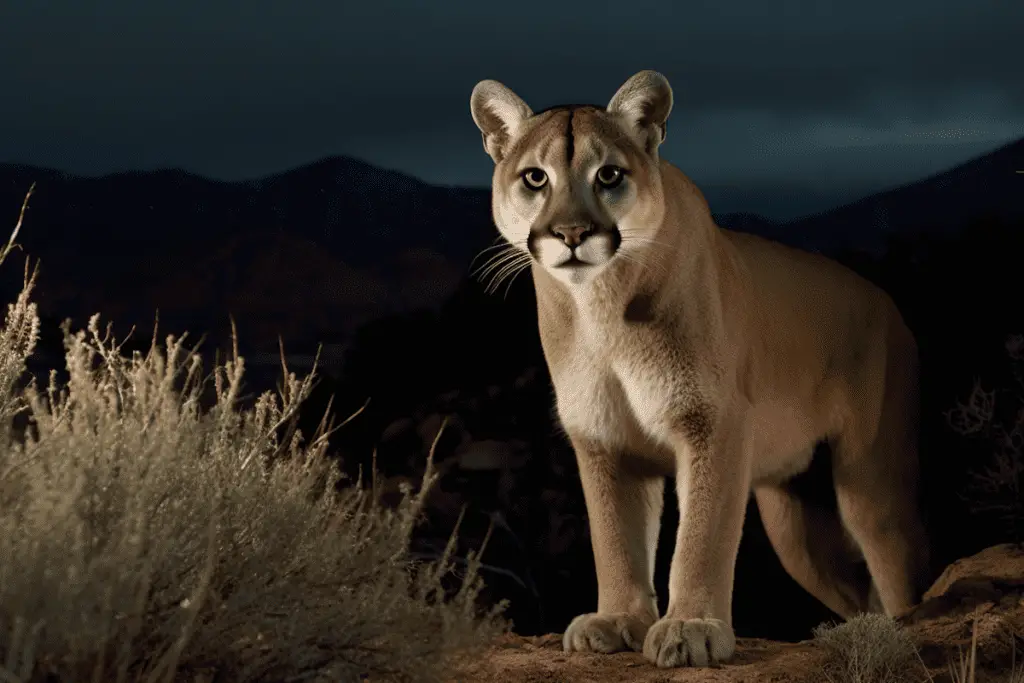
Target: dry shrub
[
  {"x": 996, "y": 418},
  {"x": 869, "y": 648},
  {"x": 144, "y": 538}
]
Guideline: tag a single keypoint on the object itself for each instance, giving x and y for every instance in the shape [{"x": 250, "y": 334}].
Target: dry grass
[
  {"x": 144, "y": 538},
  {"x": 963, "y": 669},
  {"x": 870, "y": 648},
  {"x": 873, "y": 648}
]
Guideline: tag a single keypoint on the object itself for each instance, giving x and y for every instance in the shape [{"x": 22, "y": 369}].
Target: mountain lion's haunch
[{"x": 679, "y": 349}]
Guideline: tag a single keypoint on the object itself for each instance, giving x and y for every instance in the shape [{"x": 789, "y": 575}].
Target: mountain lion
[{"x": 680, "y": 349}]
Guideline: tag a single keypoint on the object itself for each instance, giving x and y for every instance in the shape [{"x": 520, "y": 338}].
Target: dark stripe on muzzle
[{"x": 570, "y": 143}]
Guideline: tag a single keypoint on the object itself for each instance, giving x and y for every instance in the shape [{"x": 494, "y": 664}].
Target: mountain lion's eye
[
  {"x": 610, "y": 176},
  {"x": 534, "y": 178}
]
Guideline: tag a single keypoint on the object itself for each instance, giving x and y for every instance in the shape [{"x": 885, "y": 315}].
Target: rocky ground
[{"x": 984, "y": 592}]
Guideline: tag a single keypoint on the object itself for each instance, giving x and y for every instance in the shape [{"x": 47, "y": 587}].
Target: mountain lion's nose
[{"x": 573, "y": 235}]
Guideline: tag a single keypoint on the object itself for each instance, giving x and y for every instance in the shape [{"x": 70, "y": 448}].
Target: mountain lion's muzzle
[{"x": 560, "y": 245}]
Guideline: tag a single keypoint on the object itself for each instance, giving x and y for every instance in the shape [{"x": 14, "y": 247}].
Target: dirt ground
[{"x": 984, "y": 592}]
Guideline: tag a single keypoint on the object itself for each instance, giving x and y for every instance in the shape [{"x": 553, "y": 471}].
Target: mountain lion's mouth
[{"x": 574, "y": 262}]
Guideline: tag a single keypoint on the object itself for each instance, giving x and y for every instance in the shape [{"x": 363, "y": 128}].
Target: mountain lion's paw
[
  {"x": 605, "y": 633},
  {"x": 689, "y": 642}
]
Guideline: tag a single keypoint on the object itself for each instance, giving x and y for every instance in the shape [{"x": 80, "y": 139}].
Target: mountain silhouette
[
  {"x": 987, "y": 187},
  {"x": 316, "y": 251},
  {"x": 338, "y": 239}
]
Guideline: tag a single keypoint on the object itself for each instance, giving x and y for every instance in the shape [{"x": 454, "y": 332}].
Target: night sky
[{"x": 843, "y": 100}]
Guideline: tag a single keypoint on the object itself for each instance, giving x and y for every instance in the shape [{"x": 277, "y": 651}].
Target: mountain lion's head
[{"x": 577, "y": 186}]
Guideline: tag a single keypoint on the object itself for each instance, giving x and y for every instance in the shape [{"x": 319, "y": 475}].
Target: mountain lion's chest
[{"x": 620, "y": 392}]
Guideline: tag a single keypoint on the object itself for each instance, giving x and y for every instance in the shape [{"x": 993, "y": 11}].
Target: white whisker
[
  {"x": 494, "y": 262},
  {"x": 512, "y": 279},
  {"x": 502, "y": 245},
  {"x": 510, "y": 263}
]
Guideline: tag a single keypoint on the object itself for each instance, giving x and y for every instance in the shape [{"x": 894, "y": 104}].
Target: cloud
[{"x": 238, "y": 89}]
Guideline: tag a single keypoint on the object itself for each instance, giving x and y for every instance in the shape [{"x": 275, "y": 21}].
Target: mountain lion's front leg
[
  {"x": 624, "y": 511},
  {"x": 713, "y": 487}
]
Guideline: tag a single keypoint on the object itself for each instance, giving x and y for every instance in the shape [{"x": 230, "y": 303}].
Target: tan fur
[{"x": 718, "y": 358}]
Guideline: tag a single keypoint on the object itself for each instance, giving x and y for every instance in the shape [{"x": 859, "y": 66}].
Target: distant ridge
[
  {"x": 316, "y": 250},
  {"x": 986, "y": 186},
  {"x": 359, "y": 239}
]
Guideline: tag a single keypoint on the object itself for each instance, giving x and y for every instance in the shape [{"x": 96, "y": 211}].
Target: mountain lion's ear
[
  {"x": 498, "y": 112},
  {"x": 644, "y": 102}
]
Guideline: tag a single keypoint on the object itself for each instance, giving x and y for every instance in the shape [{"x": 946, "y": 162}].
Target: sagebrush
[
  {"x": 144, "y": 537},
  {"x": 869, "y": 648},
  {"x": 996, "y": 418}
]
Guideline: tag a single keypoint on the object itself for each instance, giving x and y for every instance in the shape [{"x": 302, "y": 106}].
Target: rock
[
  {"x": 998, "y": 564},
  {"x": 988, "y": 586},
  {"x": 428, "y": 428},
  {"x": 490, "y": 455},
  {"x": 984, "y": 592},
  {"x": 396, "y": 429}
]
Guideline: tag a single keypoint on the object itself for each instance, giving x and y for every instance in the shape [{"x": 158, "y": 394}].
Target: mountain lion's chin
[{"x": 575, "y": 272}]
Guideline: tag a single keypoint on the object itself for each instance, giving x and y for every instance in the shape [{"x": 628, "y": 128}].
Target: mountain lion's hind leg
[
  {"x": 811, "y": 544},
  {"x": 877, "y": 505},
  {"x": 624, "y": 511},
  {"x": 877, "y": 490}
]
